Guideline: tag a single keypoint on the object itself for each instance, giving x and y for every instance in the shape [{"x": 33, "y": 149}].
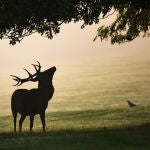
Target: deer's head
[{"x": 44, "y": 77}]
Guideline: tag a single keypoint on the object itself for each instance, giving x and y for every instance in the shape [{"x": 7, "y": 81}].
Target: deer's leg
[
  {"x": 15, "y": 117},
  {"x": 42, "y": 116},
  {"x": 21, "y": 121},
  {"x": 31, "y": 122}
]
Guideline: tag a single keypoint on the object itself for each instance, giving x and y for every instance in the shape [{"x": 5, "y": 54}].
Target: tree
[{"x": 23, "y": 18}]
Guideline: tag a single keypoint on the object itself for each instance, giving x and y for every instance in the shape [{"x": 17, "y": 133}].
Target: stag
[{"x": 33, "y": 101}]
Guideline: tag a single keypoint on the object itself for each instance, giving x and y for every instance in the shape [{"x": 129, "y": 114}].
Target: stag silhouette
[{"x": 33, "y": 101}]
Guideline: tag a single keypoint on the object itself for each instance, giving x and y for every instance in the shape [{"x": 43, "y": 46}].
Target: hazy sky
[{"x": 71, "y": 44}]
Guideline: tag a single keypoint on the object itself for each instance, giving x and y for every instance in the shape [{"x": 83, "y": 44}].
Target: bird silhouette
[{"x": 131, "y": 104}]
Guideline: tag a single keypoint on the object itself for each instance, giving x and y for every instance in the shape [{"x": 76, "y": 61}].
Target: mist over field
[{"x": 107, "y": 80}]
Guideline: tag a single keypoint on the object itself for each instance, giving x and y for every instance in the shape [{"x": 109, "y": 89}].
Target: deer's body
[
  {"x": 34, "y": 101},
  {"x": 30, "y": 102}
]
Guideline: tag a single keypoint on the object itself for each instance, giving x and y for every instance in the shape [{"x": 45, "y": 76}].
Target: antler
[
  {"x": 37, "y": 69},
  {"x": 30, "y": 78}
]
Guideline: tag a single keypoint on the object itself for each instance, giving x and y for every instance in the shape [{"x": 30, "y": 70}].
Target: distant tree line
[{"x": 20, "y": 18}]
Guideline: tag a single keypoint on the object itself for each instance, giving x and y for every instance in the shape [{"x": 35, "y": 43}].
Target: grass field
[
  {"x": 113, "y": 129},
  {"x": 89, "y": 108}
]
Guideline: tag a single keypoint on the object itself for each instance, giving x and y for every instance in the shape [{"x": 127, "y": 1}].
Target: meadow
[{"x": 89, "y": 108}]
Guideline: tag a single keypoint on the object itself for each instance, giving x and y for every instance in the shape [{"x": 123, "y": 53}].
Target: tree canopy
[{"x": 20, "y": 18}]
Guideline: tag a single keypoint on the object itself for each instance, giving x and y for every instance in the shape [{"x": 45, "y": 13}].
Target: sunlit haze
[
  {"x": 71, "y": 44},
  {"x": 70, "y": 51}
]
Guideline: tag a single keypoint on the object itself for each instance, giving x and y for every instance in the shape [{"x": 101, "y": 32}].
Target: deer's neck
[{"x": 47, "y": 90}]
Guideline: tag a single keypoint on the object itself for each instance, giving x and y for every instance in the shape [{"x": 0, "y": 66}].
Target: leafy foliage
[
  {"x": 132, "y": 20},
  {"x": 22, "y": 18}
]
